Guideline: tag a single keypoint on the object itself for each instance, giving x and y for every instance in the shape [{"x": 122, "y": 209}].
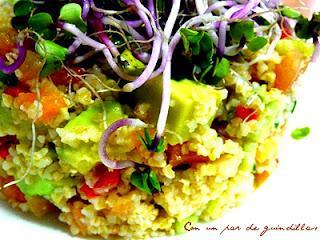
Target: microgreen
[
  {"x": 243, "y": 29},
  {"x": 23, "y": 8},
  {"x": 71, "y": 13},
  {"x": 147, "y": 181},
  {"x": 257, "y": 43},
  {"x": 300, "y": 133},
  {"x": 40, "y": 21},
  {"x": 49, "y": 68},
  {"x": 51, "y": 51},
  {"x": 290, "y": 13}
]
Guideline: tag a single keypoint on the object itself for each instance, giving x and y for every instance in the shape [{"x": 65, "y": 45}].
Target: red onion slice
[
  {"x": 104, "y": 140},
  {"x": 8, "y": 69}
]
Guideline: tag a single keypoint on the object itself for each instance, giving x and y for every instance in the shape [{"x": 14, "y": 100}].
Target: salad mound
[{"x": 130, "y": 118}]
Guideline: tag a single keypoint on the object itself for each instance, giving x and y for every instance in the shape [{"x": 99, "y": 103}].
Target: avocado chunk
[
  {"x": 130, "y": 64},
  {"x": 192, "y": 104},
  {"x": 181, "y": 226},
  {"x": 40, "y": 187},
  {"x": 88, "y": 125},
  {"x": 81, "y": 135}
]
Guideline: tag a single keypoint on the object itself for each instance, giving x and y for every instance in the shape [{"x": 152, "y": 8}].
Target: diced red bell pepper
[
  {"x": 246, "y": 113},
  {"x": 109, "y": 179},
  {"x": 89, "y": 192},
  {"x": 14, "y": 91},
  {"x": 176, "y": 157},
  {"x": 62, "y": 77},
  {"x": 12, "y": 192},
  {"x": 4, "y": 153}
]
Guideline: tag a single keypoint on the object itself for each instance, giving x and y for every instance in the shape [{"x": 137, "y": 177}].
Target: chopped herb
[
  {"x": 257, "y": 43},
  {"x": 300, "y": 133},
  {"x": 149, "y": 143},
  {"x": 147, "y": 181},
  {"x": 154, "y": 181},
  {"x": 294, "y": 106}
]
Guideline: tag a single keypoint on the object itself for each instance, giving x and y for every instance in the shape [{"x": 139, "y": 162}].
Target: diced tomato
[
  {"x": 109, "y": 179},
  {"x": 12, "y": 192},
  {"x": 176, "y": 157},
  {"x": 89, "y": 192},
  {"x": 62, "y": 77},
  {"x": 288, "y": 70},
  {"x": 246, "y": 113}
]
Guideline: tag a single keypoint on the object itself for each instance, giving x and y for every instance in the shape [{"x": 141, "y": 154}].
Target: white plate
[{"x": 291, "y": 196}]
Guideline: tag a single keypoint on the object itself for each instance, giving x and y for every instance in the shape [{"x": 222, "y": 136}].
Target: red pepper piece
[
  {"x": 109, "y": 179},
  {"x": 89, "y": 192},
  {"x": 62, "y": 77},
  {"x": 246, "y": 113}
]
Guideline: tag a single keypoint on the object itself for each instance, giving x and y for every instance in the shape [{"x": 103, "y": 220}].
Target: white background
[{"x": 291, "y": 196}]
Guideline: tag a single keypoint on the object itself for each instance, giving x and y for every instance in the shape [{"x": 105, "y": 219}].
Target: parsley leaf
[{"x": 146, "y": 181}]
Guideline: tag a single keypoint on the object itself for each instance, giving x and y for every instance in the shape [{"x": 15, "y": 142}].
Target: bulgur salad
[{"x": 130, "y": 118}]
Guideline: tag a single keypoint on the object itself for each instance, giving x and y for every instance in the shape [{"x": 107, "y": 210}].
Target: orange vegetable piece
[
  {"x": 26, "y": 99},
  {"x": 288, "y": 70},
  {"x": 31, "y": 68},
  {"x": 52, "y": 101},
  {"x": 260, "y": 178},
  {"x": 40, "y": 206},
  {"x": 7, "y": 41},
  {"x": 76, "y": 208}
]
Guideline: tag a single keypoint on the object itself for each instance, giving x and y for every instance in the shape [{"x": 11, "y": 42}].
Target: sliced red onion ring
[
  {"x": 316, "y": 52},
  {"x": 145, "y": 76},
  {"x": 8, "y": 69},
  {"x": 105, "y": 137}
]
